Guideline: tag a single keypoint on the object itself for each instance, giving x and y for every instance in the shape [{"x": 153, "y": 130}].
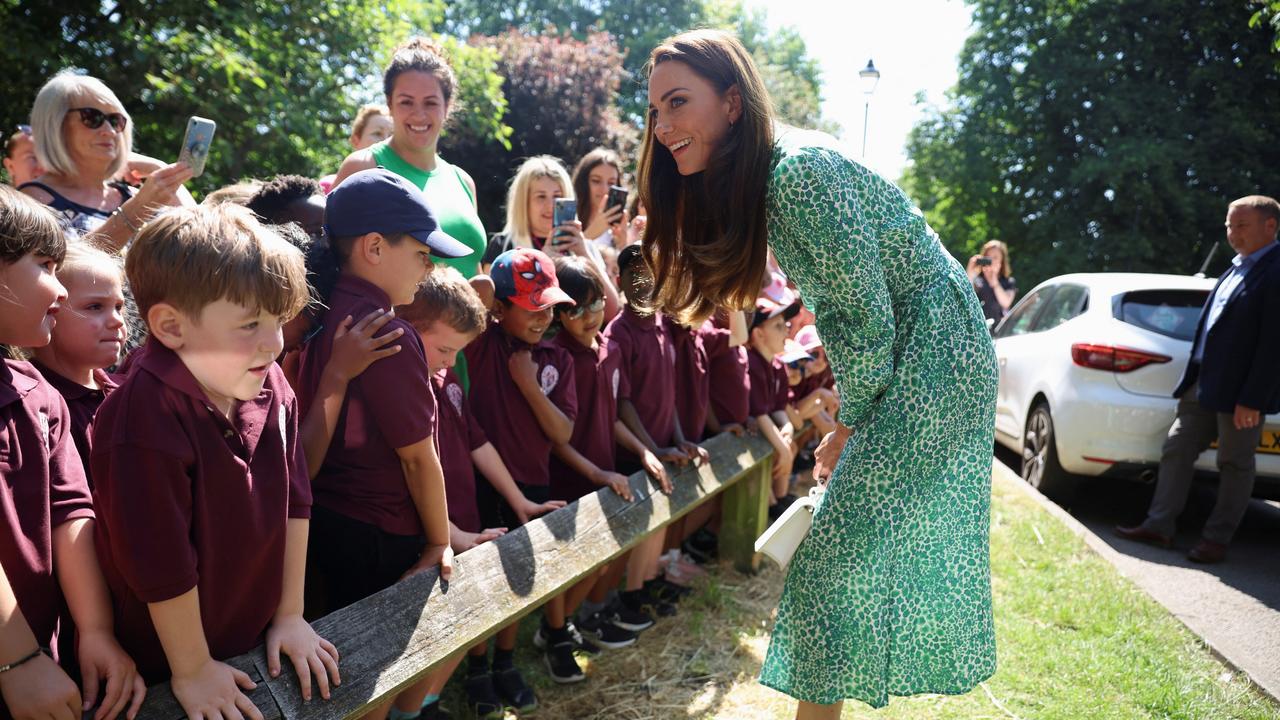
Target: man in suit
[{"x": 1231, "y": 382}]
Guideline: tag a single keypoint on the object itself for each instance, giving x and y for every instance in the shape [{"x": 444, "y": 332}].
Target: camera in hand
[
  {"x": 617, "y": 197},
  {"x": 566, "y": 211},
  {"x": 984, "y": 262}
]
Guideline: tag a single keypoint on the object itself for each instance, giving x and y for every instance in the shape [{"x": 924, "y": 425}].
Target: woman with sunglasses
[{"x": 83, "y": 138}]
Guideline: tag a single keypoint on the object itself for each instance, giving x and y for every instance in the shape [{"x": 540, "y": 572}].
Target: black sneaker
[
  {"x": 804, "y": 461},
  {"x": 606, "y": 633},
  {"x": 624, "y": 617},
  {"x": 511, "y": 686},
  {"x": 482, "y": 698},
  {"x": 702, "y": 546},
  {"x": 561, "y": 663},
  {"x": 579, "y": 642},
  {"x": 784, "y": 502},
  {"x": 667, "y": 591},
  {"x": 642, "y": 600}
]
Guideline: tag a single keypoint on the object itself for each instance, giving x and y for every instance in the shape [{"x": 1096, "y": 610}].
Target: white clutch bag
[{"x": 784, "y": 535}]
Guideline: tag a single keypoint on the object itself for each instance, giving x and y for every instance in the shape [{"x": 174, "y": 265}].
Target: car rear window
[{"x": 1172, "y": 313}]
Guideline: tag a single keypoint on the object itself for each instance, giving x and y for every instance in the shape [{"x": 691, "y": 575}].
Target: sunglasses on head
[
  {"x": 577, "y": 311},
  {"x": 93, "y": 118}
]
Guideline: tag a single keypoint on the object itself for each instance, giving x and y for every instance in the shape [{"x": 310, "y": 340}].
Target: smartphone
[
  {"x": 617, "y": 197},
  {"x": 196, "y": 142},
  {"x": 984, "y": 261},
  {"x": 566, "y": 212}
]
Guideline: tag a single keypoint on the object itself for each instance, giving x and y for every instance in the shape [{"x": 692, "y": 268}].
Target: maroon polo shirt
[
  {"x": 502, "y": 411},
  {"x": 457, "y": 434},
  {"x": 187, "y": 498},
  {"x": 388, "y": 406},
  {"x": 729, "y": 385},
  {"x": 768, "y": 384},
  {"x": 82, "y": 403},
  {"x": 693, "y": 384},
  {"x": 824, "y": 379},
  {"x": 598, "y": 381},
  {"x": 42, "y": 486},
  {"x": 649, "y": 362}
]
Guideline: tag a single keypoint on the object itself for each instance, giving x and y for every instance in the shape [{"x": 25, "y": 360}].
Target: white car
[{"x": 1088, "y": 365}]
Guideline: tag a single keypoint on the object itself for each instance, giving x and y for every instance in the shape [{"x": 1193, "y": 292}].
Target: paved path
[{"x": 1233, "y": 606}]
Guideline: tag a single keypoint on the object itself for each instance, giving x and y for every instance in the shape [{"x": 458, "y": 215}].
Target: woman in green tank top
[
  {"x": 420, "y": 95},
  {"x": 419, "y": 86}
]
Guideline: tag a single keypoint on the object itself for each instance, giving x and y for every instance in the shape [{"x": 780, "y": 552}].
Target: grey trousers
[{"x": 1191, "y": 433}]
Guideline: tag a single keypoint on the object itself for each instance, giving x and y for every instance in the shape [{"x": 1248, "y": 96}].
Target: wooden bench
[{"x": 391, "y": 639}]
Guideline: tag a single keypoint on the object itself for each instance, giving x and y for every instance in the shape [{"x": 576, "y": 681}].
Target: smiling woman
[{"x": 890, "y": 594}]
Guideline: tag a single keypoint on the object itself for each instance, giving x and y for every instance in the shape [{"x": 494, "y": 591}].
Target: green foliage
[
  {"x": 281, "y": 79},
  {"x": 1268, "y": 13},
  {"x": 561, "y": 97},
  {"x": 1096, "y": 135}
]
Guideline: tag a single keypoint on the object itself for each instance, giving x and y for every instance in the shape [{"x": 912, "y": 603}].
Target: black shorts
[
  {"x": 535, "y": 493},
  {"x": 348, "y": 560}
]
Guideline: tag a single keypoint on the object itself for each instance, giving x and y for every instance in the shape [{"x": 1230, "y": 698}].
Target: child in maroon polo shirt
[
  {"x": 448, "y": 315},
  {"x": 648, "y": 360},
  {"x": 768, "y": 399},
  {"x": 523, "y": 395},
  {"x": 725, "y": 339},
  {"x": 587, "y": 461},
  {"x": 88, "y": 338},
  {"x": 200, "y": 482},
  {"x": 47, "y": 561}
]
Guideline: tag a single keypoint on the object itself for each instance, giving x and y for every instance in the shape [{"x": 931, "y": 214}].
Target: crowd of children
[{"x": 312, "y": 404}]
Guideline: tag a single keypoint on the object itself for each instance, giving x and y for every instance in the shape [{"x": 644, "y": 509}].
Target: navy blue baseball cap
[{"x": 378, "y": 200}]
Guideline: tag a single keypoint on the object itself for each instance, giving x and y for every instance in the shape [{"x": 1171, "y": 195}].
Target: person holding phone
[
  {"x": 597, "y": 180},
  {"x": 992, "y": 279},
  {"x": 83, "y": 139},
  {"x": 890, "y": 593}
]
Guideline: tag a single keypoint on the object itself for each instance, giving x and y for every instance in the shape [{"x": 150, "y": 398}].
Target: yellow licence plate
[{"x": 1269, "y": 444}]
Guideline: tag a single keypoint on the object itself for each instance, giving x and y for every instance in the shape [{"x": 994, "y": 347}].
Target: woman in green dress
[{"x": 891, "y": 592}]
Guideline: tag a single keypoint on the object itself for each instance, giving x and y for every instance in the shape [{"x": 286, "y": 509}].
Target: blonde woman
[
  {"x": 531, "y": 200},
  {"x": 84, "y": 138}
]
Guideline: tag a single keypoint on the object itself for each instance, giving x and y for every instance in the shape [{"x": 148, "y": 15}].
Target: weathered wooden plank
[
  {"x": 744, "y": 514},
  {"x": 394, "y": 637}
]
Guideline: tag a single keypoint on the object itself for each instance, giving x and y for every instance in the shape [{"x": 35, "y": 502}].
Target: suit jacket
[{"x": 1241, "y": 359}]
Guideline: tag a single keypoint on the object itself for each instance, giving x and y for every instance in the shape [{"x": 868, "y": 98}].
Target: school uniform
[
  {"x": 82, "y": 404},
  {"x": 729, "y": 385},
  {"x": 810, "y": 383},
  {"x": 598, "y": 380},
  {"x": 457, "y": 436},
  {"x": 769, "y": 387},
  {"x": 505, "y": 416},
  {"x": 648, "y": 361},
  {"x": 693, "y": 385},
  {"x": 43, "y": 486},
  {"x": 187, "y": 498},
  {"x": 367, "y": 531}
]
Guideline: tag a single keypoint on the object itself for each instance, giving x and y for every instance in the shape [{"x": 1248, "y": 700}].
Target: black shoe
[
  {"x": 512, "y": 688},
  {"x": 606, "y": 633},
  {"x": 667, "y": 591},
  {"x": 702, "y": 546},
  {"x": 624, "y": 617},
  {"x": 541, "y": 637},
  {"x": 804, "y": 461},
  {"x": 784, "y": 502},
  {"x": 482, "y": 698},
  {"x": 644, "y": 601},
  {"x": 561, "y": 663}
]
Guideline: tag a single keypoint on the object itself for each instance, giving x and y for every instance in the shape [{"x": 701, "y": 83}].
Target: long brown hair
[
  {"x": 706, "y": 238},
  {"x": 582, "y": 178}
]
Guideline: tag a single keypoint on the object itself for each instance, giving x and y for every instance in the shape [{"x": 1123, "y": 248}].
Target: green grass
[{"x": 1075, "y": 641}]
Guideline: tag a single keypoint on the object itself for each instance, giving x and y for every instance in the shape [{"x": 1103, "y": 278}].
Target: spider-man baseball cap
[
  {"x": 527, "y": 278},
  {"x": 378, "y": 200}
]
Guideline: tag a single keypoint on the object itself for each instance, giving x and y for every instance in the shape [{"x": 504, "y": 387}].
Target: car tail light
[{"x": 1114, "y": 359}]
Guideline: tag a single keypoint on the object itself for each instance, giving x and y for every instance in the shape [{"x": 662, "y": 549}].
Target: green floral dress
[{"x": 891, "y": 592}]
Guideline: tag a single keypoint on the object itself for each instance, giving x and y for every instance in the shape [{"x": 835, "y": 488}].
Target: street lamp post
[{"x": 870, "y": 77}]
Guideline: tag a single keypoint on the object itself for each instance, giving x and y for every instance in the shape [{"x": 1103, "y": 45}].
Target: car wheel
[{"x": 1040, "y": 467}]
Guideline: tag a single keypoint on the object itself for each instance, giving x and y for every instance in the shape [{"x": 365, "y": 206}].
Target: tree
[
  {"x": 1096, "y": 135},
  {"x": 281, "y": 79},
  {"x": 561, "y": 98}
]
